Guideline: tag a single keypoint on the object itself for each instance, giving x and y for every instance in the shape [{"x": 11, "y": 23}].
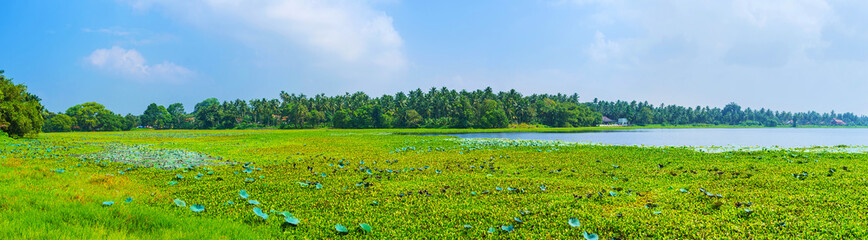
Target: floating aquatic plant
[
  {"x": 574, "y": 222},
  {"x": 258, "y": 212},
  {"x": 365, "y": 227},
  {"x": 341, "y": 229}
]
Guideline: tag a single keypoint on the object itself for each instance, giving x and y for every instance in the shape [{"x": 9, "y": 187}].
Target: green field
[{"x": 411, "y": 186}]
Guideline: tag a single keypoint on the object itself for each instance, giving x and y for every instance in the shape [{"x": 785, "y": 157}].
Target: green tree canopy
[
  {"x": 20, "y": 111},
  {"x": 60, "y": 123},
  {"x": 156, "y": 116},
  {"x": 92, "y": 116}
]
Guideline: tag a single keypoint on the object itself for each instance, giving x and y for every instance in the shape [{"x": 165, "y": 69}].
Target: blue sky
[{"x": 795, "y": 55}]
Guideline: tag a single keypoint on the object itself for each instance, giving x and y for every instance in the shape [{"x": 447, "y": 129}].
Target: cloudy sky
[{"x": 795, "y": 55}]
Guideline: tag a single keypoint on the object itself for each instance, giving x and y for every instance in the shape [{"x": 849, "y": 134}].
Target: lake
[{"x": 737, "y": 137}]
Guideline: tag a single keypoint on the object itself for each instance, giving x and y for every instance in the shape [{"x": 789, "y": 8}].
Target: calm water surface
[{"x": 743, "y": 137}]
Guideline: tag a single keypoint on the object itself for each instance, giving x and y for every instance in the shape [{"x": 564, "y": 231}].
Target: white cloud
[
  {"x": 109, "y": 31},
  {"x": 602, "y": 50},
  {"x": 131, "y": 65},
  {"x": 339, "y": 31},
  {"x": 720, "y": 31},
  {"x": 758, "y": 53}
]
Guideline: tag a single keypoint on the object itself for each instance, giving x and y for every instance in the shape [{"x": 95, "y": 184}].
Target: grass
[{"x": 614, "y": 191}]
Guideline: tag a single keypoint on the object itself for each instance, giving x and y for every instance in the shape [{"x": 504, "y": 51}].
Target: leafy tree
[
  {"x": 206, "y": 103},
  {"x": 342, "y": 119},
  {"x": 20, "y": 111},
  {"x": 208, "y": 116},
  {"x": 131, "y": 121},
  {"x": 60, "y": 123},
  {"x": 176, "y": 111},
  {"x": 156, "y": 116},
  {"x": 91, "y": 116},
  {"x": 491, "y": 116},
  {"x": 412, "y": 119}
]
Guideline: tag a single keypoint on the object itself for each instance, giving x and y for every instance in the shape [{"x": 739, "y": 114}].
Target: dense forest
[
  {"x": 441, "y": 108},
  {"x": 642, "y": 113},
  {"x": 21, "y": 113},
  {"x": 436, "y": 108}
]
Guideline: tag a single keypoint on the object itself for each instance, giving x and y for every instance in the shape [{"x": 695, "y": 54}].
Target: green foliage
[
  {"x": 643, "y": 113},
  {"x": 564, "y": 114},
  {"x": 491, "y": 115},
  {"x": 60, "y": 123},
  {"x": 441, "y": 108},
  {"x": 156, "y": 116},
  {"x": 178, "y": 116},
  {"x": 20, "y": 111},
  {"x": 91, "y": 116}
]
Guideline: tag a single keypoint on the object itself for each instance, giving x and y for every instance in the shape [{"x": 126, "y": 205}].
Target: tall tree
[
  {"x": 20, "y": 111},
  {"x": 156, "y": 116},
  {"x": 176, "y": 111}
]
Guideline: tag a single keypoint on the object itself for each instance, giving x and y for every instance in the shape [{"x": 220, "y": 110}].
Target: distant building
[
  {"x": 623, "y": 121},
  {"x": 607, "y": 120},
  {"x": 836, "y": 121}
]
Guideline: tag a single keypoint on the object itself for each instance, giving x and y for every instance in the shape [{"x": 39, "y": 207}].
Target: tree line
[
  {"x": 642, "y": 113},
  {"x": 437, "y": 108},
  {"x": 21, "y": 113}
]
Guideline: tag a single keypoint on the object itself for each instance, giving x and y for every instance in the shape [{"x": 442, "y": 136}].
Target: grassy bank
[{"x": 410, "y": 186}]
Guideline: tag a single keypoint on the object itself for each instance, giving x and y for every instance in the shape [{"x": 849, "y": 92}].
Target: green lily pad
[
  {"x": 341, "y": 228},
  {"x": 258, "y": 212},
  {"x": 197, "y": 208},
  {"x": 180, "y": 203},
  {"x": 590, "y": 236},
  {"x": 575, "y": 222},
  {"x": 292, "y": 220},
  {"x": 365, "y": 227}
]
